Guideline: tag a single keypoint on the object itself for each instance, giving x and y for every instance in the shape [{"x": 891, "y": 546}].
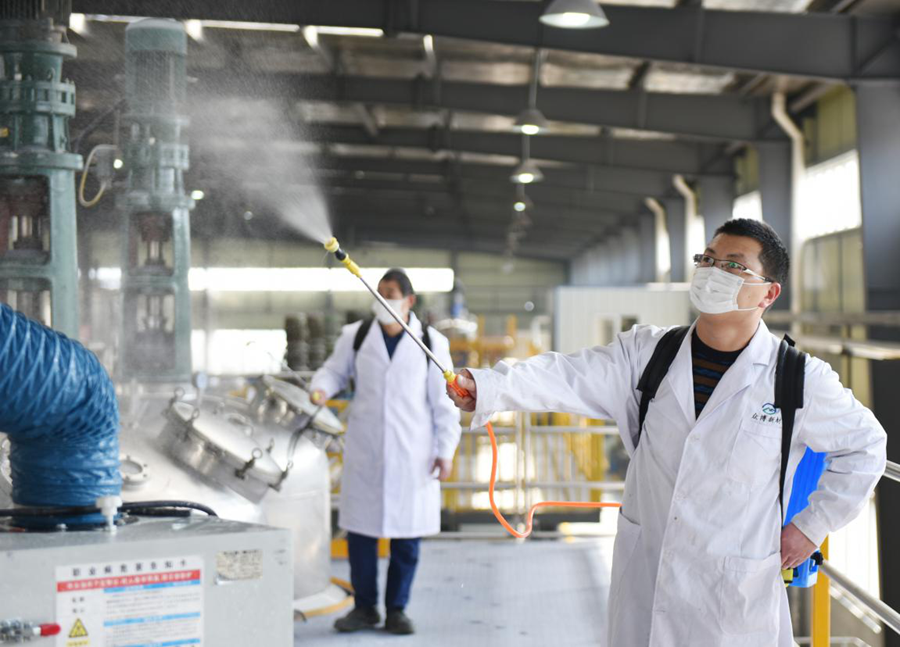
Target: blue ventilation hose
[{"x": 59, "y": 409}]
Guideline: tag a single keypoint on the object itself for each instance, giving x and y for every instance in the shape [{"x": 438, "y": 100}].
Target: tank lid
[{"x": 156, "y": 35}]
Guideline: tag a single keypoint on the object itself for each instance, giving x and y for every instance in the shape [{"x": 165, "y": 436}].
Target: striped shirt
[{"x": 709, "y": 366}]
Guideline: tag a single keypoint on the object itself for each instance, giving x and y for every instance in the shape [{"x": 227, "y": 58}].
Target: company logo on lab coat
[{"x": 769, "y": 414}]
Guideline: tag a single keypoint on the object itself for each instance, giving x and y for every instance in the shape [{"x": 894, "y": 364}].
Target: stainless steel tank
[
  {"x": 270, "y": 450},
  {"x": 296, "y": 433}
]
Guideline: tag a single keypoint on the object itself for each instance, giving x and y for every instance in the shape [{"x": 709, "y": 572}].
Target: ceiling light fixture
[
  {"x": 527, "y": 173},
  {"x": 531, "y": 121},
  {"x": 364, "y": 32},
  {"x": 197, "y": 194},
  {"x": 574, "y": 14}
]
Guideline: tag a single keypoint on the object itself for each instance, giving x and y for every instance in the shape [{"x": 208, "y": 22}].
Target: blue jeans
[{"x": 363, "y": 552}]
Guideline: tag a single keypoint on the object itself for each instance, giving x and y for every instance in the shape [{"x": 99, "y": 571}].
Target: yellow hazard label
[{"x": 78, "y": 630}]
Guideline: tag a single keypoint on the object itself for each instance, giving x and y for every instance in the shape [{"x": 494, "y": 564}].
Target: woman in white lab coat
[
  {"x": 401, "y": 437},
  {"x": 700, "y": 543}
]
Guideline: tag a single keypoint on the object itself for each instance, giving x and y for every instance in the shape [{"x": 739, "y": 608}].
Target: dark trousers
[{"x": 363, "y": 552}]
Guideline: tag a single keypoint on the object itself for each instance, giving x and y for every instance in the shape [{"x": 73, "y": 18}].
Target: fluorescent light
[
  {"x": 78, "y": 23},
  {"x": 197, "y": 194},
  {"x": 350, "y": 31},
  {"x": 194, "y": 29},
  {"x": 292, "y": 279},
  {"x": 574, "y": 14},
  {"x": 428, "y": 44},
  {"x": 117, "y": 163},
  {"x": 531, "y": 121},
  {"x": 526, "y": 173},
  {"x": 251, "y": 26}
]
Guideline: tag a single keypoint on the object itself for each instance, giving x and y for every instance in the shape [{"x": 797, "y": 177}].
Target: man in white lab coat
[
  {"x": 700, "y": 545},
  {"x": 400, "y": 442}
]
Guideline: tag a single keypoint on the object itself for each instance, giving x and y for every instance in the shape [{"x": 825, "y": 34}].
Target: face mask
[
  {"x": 381, "y": 313},
  {"x": 714, "y": 291}
]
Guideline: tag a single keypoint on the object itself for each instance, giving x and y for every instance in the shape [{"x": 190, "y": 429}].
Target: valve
[{"x": 19, "y": 631}]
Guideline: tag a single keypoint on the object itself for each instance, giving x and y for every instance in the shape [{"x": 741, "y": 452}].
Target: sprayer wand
[
  {"x": 451, "y": 377},
  {"x": 334, "y": 247}
]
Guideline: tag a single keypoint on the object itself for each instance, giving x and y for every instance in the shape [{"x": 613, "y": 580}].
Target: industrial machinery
[
  {"x": 156, "y": 302},
  {"x": 182, "y": 581},
  {"x": 38, "y": 261},
  {"x": 80, "y": 564}
]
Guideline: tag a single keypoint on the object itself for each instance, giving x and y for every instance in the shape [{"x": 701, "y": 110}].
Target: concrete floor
[{"x": 498, "y": 593}]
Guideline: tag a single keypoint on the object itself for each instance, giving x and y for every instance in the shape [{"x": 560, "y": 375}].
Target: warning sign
[
  {"x": 78, "y": 630},
  {"x": 137, "y": 602}
]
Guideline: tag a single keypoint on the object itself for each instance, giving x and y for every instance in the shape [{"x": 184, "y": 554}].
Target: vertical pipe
[
  {"x": 675, "y": 223},
  {"x": 690, "y": 221},
  {"x": 780, "y": 114},
  {"x": 821, "y": 613},
  {"x": 663, "y": 265}
]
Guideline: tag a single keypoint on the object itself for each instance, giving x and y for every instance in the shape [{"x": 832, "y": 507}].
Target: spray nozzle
[{"x": 332, "y": 246}]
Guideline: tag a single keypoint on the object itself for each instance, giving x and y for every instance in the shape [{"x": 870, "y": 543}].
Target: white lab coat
[
  {"x": 697, "y": 555},
  {"x": 400, "y": 420}
]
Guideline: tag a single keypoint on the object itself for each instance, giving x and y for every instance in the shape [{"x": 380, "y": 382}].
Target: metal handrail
[
  {"x": 892, "y": 471},
  {"x": 887, "y": 318},
  {"x": 882, "y": 611}
]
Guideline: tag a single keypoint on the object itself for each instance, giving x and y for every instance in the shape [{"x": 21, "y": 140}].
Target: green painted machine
[
  {"x": 38, "y": 258},
  {"x": 155, "y": 345}
]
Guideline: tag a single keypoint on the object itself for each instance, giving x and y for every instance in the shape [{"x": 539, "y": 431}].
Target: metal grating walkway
[{"x": 497, "y": 593}]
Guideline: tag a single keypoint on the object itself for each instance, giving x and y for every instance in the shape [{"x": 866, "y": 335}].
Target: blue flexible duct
[{"x": 59, "y": 409}]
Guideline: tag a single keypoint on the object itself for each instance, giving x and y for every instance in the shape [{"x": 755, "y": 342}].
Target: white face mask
[
  {"x": 715, "y": 291},
  {"x": 381, "y": 313}
]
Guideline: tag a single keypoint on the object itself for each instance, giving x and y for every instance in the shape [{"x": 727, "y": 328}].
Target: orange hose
[{"x": 543, "y": 504}]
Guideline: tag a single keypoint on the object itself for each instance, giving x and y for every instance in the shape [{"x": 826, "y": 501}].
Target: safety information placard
[{"x": 136, "y": 603}]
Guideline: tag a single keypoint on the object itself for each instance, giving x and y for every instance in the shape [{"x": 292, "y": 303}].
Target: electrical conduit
[{"x": 60, "y": 412}]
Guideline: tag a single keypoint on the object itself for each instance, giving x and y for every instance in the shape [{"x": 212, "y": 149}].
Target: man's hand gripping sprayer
[{"x": 452, "y": 379}]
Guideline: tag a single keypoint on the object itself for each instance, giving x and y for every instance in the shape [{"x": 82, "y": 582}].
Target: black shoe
[
  {"x": 359, "y": 618},
  {"x": 399, "y": 623}
]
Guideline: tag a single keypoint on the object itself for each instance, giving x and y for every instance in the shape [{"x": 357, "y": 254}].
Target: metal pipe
[
  {"x": 663, "y": 264},
  {"x": 783, "y": 119},
  {"x": 882, "y": 611},
  {"x": 690, "y": 219},
  {"x": 892, "y": 471}
]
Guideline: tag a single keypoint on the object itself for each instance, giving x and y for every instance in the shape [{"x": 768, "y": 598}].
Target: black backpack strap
[
  {"x": 790, "y": 377},
  {"x": 426, "y": 339},
  {"x": 361, "y": 333},
  {"x": 656, "y": 369}
]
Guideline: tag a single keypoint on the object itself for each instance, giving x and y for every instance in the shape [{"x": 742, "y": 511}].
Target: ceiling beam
[
  {"x": 825, "y": 46},
  {"x": 487, "y": 204},
  {"x": 707, "y": 116},
  {"x": 664, "y": 156},
  {"x": 572, "y": 178},
  {"x": 502, "y": 192}
]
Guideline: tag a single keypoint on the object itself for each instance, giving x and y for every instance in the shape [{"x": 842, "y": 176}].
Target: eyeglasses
[{"x": 732, "y": 267}]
